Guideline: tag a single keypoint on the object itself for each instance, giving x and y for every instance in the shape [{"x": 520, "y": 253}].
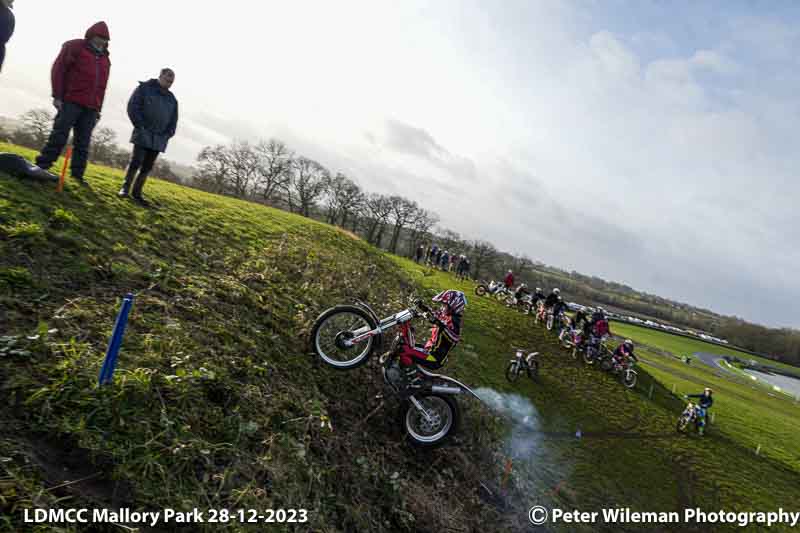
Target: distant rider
[
  {"x": 704, "y": 403},
  {"x": 521, "y": 291},
  {"x": 622, "y": 352}
]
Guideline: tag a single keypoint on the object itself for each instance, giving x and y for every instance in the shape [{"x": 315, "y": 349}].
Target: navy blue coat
[
  {"x": 7, "y": 22},
  {"x": 154, "y": 114}
]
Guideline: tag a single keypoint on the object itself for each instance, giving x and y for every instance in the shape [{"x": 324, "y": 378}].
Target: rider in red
[
  {"x": 445, "y": 333},
  {"x": 624, "y": 351},
  {"x": 509, "y": 280}
]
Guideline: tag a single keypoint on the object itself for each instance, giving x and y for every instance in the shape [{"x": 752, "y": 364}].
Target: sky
[{"x": 653, "y": 143}]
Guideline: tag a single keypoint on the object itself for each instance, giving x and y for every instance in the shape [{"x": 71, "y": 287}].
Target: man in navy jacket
[
  {"x": 153, "y": 110},
  {"x": 6, "y": 27}
]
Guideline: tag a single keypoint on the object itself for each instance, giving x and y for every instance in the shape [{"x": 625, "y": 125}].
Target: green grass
[
  {"x": 216, "y": 402},
  {"x": 681, "y": 346}
]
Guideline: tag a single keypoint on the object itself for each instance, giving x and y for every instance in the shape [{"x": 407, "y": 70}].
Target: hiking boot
[
  {"x": 80, "y": 180},
  {"x": 123, "y": 193},
  {"x": 141, "y": 201}
]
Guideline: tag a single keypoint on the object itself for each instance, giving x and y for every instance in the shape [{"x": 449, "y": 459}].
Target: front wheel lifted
[
  {"x": 433, "y": 427},
  {"x": 332, "y": 332}
]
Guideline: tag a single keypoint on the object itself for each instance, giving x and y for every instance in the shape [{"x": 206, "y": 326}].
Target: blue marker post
[{"x": 110, "y": 362}]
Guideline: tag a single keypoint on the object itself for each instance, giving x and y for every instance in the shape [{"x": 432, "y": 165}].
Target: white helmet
[{"x": 556, "y": 291}]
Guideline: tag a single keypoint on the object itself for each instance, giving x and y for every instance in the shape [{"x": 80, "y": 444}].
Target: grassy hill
[{"x": 216, "y": 402}]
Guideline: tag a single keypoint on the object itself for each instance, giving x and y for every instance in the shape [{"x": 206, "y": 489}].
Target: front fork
[{"x": 418, "y": 406}]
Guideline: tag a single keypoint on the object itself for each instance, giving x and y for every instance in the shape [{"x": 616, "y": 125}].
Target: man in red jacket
[{"x": 79, "y": 78}]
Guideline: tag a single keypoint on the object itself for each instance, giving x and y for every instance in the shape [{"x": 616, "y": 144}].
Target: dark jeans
[
  {"x": 81, "y": 120},
  {"x": 142, "y": 160}
]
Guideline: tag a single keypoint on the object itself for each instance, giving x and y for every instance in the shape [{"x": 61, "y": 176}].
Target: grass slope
[{"x": 217, "y": 404}]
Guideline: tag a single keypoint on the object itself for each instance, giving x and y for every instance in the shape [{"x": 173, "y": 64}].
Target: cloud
[{"x": 417, "y": 142}]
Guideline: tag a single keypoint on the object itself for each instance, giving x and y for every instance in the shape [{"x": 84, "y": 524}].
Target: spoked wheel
[
  {"x": 501, "y": 295},
  {"x": 683, "y": 424},
  {"x": 332, "y": 332},
  {"x": 575, "y": 352},
  {"x": 440, "y": 423},
  {"x": 512, "y": 372},
  {"x": 550, "y": 321},
  {"x": 605, "y": 364},
  {"x": 588, "y": 356},
  {"x": 629, "y": 378},
  {"x": 480, "y": 290}
]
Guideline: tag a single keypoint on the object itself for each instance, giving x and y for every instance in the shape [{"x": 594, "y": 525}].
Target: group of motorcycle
[{"x": 346, "y": 336}]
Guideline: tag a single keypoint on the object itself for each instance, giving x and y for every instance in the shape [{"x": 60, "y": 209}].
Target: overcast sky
[{"x": 650, "y": 143}]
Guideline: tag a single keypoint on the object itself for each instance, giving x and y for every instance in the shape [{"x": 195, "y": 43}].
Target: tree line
[
  {"x": 34, "y": 128},
  {"x": 269, "y": 172}
]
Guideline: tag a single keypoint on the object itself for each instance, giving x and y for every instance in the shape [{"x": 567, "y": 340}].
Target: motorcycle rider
[
  {"x": 445, "y": 335},
  {"x": 521, "y": 291},
  {"x": 598, "y": 326},
  {"x": 622, "y": 352},
  {"x": 538, "y": 294},
  {"x": 552, "y": 299},
  {"x": 581, "y": 320},
  {"x": 704, "y": 403}
]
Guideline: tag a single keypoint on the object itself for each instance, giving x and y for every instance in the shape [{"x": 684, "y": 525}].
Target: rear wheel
[
  {"x": 334, "y": 327},
  {"x": 629, "y": 378},
  {"x": 437, "y": 427},
  {"x": 481, "y": 290},
  {"x": 512, "y": 372},
  {"x": 683, "y": 423}
]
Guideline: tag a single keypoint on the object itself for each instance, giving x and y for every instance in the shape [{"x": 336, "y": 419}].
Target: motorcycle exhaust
[{"x": 444, "y": 389}]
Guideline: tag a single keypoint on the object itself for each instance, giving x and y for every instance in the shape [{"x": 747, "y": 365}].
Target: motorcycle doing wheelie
[
  {"x": 528, "y": 364},
  {"x": 346, "y": 336}
]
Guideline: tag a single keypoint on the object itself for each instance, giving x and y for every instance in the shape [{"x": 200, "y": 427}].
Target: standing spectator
[
  {"x": 7, "y": 23},
  {"x": 509, "y": 280},
  {"x": 420, "y": 253},
  {"x": 444, "y": 260},
  {"x": 153, "y": 110},
  {"x": 434, "y": 257},
  {"x": 79, "y": 78}
]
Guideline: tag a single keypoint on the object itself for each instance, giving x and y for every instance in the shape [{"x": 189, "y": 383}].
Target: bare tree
[
  {"x": 420, "y": 227},
  {"x": 483, "y": 255},
  {"x": 35, "y": 127},
  {"x": 274, "y": 169},
  {"x": 104, "y": 145},
  {"x": 403, "y": 211},
  {"x": 214, "y": 168},
  {"x": 243, "y": 168},
  {"x": 377, "y": 208},
  {"x": 308, "y": 183},
  {"x": 342, "y": 199}
]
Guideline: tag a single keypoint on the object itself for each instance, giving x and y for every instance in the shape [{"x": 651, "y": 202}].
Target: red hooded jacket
[{"x": 80, "y": 74}]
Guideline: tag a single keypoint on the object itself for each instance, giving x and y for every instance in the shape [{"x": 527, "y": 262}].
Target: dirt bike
[
  {"x": 529, "y": 364},
  {"x": 688, "y": 416},
  {"x": 595, "y": 349},
  {"x": 541, "y": 312},
  {"x": 623, "y": 369},
  {"x": 522, "y": 305},
  {"x": 344, "y": 337},
  {"x": 497, "y": 289}
]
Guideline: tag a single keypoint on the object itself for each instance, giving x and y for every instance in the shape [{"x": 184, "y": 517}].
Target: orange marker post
[{"x": 67, "y": 157}]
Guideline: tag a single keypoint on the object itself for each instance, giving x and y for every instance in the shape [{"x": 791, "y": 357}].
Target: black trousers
[
  {"x": 81, "y": 120},
  {"x": 142, "y": 160}
]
